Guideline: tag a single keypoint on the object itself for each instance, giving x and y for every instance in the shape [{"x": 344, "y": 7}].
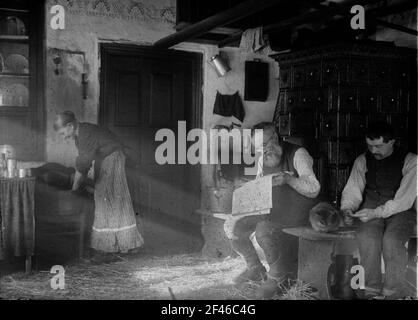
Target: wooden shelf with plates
[{"x": 21, "y": 83}]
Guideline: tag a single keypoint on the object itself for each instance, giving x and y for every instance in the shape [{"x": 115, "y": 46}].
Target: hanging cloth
[
  {"x": 252, "y": 40},
  {"x": 229, "y": 105}
]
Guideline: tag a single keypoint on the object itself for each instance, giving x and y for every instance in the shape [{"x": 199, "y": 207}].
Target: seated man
[
  {"x": 294, "y": 192},
  {"x": 381, "y": 190}
]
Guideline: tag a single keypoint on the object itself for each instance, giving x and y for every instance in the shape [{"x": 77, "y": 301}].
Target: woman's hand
[{"x": 78, "y": 180}]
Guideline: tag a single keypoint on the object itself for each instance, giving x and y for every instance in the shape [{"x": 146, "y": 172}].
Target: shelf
[
  {"x": 14, "y": 38},
  {"x": 14, "y": 75},
  {"x": 7, "y": 110}
]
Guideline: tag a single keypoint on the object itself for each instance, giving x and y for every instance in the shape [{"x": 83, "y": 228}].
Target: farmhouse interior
[{"x": 330, "y": 86}]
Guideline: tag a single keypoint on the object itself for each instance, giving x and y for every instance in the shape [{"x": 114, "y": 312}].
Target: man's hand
[
  {"x": 366, "y": 215},
  {"x": 281, "y": 178},
  {"x": 78, "y": 180},
  {"x": 347, "y": 217}
]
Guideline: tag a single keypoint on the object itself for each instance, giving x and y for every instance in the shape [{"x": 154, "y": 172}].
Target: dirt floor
[{"x": 137, "y": 277}]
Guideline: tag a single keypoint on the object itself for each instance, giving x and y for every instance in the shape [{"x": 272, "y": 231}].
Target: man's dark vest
[
  {"x": 290, "y": 208},
  {"x": 383, "y": 178}
]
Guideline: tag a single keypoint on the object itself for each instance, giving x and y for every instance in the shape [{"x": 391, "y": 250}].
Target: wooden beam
[
  {"x": 219, "y": 30},
  {"x": 327, "y": 13},
  {"x": 394, "y": 8},
  {"x": 396, "y": 27},
  {"x": 238, "y": 12}
]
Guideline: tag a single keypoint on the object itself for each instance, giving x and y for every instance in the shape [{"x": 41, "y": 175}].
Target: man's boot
[
  {"x": 254, "y": 273},
  {"x": 269, "y": 288}
]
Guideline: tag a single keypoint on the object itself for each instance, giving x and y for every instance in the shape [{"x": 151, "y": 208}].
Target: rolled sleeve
[
  {"x": 306, "y": 184},
  {"x": 87, "y": 149},
  {"x": 352, "y": 195}
]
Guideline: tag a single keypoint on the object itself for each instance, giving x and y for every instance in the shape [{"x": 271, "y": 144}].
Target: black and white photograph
[{"x": 208, "y": 154}]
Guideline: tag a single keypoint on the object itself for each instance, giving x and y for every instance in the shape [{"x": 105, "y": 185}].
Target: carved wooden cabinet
[{"x": 329, "y": 94}]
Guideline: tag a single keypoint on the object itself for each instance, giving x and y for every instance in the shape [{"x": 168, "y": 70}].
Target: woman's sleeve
[{"x": 87, "y": 148}]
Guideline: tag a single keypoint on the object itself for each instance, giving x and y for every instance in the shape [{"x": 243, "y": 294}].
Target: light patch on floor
[{"x": 141, "y": 277}]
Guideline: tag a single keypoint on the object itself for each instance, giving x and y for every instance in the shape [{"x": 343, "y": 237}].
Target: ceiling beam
[
  {"x": 238, "y": 12},
  {"x": 395, "y": 8},
  {"x": 218, "y": 30},
  {"x": 396, "y": 27},
  {"x": 327, "y": 13}
]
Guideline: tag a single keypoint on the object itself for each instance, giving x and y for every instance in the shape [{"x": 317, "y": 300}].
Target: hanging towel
[
  {"x": 229, "y": 106},
  {"x": 252, "y": 40}
]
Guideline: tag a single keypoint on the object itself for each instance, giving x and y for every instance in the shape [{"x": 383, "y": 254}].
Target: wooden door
[{"x": 143, "y": 91}]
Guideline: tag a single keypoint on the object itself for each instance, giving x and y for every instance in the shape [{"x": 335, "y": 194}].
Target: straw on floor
[{"x": 140, "y": 277}]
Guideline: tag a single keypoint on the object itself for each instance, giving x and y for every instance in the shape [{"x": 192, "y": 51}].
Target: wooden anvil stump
[{"x": 316, "y": 251}]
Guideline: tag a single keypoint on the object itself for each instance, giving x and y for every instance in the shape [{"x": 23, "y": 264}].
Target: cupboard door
[
  {"x": 332, "y": 125},
  {"x": 404, "y": 75},
  {"x": 359, "y": 71},
  {"x": 281, "y": 102},
  {"x": 292, "y": 100},
  {"x": 311, "y": 100},
  {"x": 334, "y": 71},
  {"x": 390, "y": 100},
  {"x": 378, "y": 117},
  {"x": 381, "y": 73},
  {"x": 368, "y": 100},
  {"x": 284, "y": 77},
  {"x": 400, "y": 125},
  {"x": 302, "y": 124},
  {"x": 348, "y": 99},
  {"x": 284, "y": 125},
  {"x": 340, "y": 153},
  {"x": 299, "y": 76},
  {"x": 357, "y": 124},
  {"x": 313, "y": 74},
  {"x": 403, "y": 101}
]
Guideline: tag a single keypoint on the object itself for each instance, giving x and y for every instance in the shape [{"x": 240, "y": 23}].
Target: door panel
[{"x": 144, "y": 91}]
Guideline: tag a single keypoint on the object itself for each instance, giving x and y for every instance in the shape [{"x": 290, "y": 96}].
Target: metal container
[
  {"x": 11, "y": 168},
  {"x": 22, "y": 173},
  {"x": 8, "y": 150},
  {"x": 220, "y": 65}
]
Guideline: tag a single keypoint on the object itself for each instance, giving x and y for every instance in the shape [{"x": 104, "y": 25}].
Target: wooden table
[
  {"x": 316, "y": 252},
  {"x": 17, "y": 207}
]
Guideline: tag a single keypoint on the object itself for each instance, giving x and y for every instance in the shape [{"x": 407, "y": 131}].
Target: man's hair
[
  {"x": 66, "y": 118},
  {"x": 264, "y": 126},
  {"x": 377, "y": 130}
]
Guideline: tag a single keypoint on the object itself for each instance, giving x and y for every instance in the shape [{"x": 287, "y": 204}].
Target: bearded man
[{"x": 295, "y": 189}]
